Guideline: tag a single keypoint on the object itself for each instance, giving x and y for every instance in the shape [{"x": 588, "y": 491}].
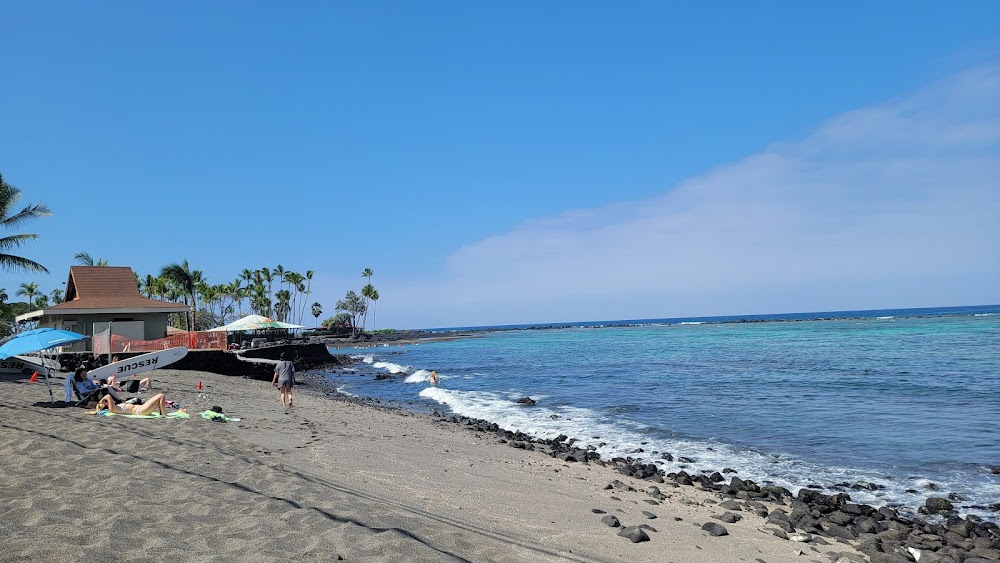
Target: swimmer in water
[{"x": 434, "y": 378}]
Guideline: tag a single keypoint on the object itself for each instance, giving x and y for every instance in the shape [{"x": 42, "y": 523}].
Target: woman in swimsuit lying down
[{"x": 156, "y": 403}]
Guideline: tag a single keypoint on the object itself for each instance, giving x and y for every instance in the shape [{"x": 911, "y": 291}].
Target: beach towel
[
  {"x": 175, "y": 414},
  {"x": 218, "y": 416}
]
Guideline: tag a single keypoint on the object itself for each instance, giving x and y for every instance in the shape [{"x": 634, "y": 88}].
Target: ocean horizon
[
  {"x": 755, "y": 317},
  {"x": 892, "y": 406}
]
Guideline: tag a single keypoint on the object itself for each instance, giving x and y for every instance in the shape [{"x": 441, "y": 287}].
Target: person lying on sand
[{"x": 155, "y": 403}]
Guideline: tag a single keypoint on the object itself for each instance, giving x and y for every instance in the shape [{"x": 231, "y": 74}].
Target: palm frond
[
  {"x": 14, "y": 241},
  {"x": 17, "y": 263},
  {"x": 29, "y": 213}
]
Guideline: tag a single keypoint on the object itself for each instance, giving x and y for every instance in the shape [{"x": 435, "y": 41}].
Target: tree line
[{"x": 280, "y": 294}]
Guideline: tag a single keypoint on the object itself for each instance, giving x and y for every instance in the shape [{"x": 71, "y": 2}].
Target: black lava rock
[
  {"x": 727, "y": 517},
  {"x": 634, "y": 533},
  {"x": 611, "y": 520},
  {"x": 730, "y": 505},
  {"x": 938, "y": 504},
  {"x": 714, "y": 529}
]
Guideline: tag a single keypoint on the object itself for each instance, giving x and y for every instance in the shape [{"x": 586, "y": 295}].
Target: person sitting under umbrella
[{"x": 87, "y": 388}]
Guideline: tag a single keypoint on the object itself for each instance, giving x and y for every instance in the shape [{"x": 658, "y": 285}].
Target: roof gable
[
  {"x": 108, "y": 288},
  {"x": 93, "y": 282}
]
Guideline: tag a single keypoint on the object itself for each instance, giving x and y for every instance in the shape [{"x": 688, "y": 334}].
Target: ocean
[{"x": 905, "y": 400}]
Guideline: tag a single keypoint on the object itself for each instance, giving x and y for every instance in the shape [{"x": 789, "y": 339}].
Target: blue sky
[{"x": 519, "y": 162}]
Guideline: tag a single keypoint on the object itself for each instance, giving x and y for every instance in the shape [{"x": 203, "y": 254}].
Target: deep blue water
[{"x": 899, "y": 398}]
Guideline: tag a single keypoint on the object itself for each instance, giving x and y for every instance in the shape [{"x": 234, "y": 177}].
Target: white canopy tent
[{"x": 254, "y": 322}]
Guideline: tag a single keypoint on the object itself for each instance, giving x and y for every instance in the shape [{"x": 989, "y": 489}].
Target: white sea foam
[
  {"x": 885, "y": 318},
  {"x": 342, "y": 390},
  {"x": 692, "y": 323},
  {"x": 390, "y": 367},
  {"x": 624, "y": 439},
  {"x": 418, "y": 376}
]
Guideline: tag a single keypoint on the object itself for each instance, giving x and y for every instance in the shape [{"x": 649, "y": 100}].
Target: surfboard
[
  {"x": 26, "y": 364},
  {"x": 138, "y": 364}
]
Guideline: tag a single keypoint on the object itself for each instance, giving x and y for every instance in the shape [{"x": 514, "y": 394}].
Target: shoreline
[
  {"x": 827, "y": 512},
  {"x": 687, "y": 463},
  {"x": 814, "y": 510},
  {"x": 336, "y": 477}
]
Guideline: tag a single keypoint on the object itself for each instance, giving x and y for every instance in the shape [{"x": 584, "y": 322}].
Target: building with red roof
[{"x": 101, "y": 296}]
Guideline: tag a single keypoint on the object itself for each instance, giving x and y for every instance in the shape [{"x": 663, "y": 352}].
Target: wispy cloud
[{"x": 892, "y": 205}]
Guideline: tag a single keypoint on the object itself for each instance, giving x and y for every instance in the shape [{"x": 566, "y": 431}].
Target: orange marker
[
  {"x": 34, "y": 377},
  {"x": 199, "y": 386}
]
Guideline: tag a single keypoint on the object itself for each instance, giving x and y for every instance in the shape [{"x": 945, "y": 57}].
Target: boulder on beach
[
  {"x": 611, "y": 520},
  {"x": 727, "y": 517},
  {"x": 634, "y": 533},
  {"x": 714, "y": 529},
  {"x": 730, "y": 505}
]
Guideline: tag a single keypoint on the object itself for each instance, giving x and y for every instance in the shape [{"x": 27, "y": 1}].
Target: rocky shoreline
[
  {"x": 883, "y": 534},
  {"x": 811, "y": 516}
]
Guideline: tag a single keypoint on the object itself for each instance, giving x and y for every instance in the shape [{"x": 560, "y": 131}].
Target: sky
[{"x": 518, "y": 162}]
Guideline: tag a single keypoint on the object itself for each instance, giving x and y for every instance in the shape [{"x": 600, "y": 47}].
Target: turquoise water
[{"x": 895, "y": 400}]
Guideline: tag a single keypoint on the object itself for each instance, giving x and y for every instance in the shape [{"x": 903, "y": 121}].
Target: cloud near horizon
[{"x": 892, "y": 205}]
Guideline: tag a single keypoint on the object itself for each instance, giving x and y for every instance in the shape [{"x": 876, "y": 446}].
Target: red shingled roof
[{"x": 107, "y": 287}]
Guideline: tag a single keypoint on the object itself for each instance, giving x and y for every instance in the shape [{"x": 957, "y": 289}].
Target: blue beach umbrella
[{"x": 36, "y": 340}]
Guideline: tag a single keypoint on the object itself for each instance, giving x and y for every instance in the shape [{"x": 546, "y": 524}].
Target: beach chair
[{"x": 85, "y": 397}]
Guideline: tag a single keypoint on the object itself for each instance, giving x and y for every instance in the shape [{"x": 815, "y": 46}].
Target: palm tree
[
  {"x": 146, "y": 286},
  {"x": 160, "y": 287},
  {"x": 282, "y": 307},
  {"x": 85, "y": 259},
  {"x": 57, "y": 296},
  {"x": 308, "y": 291},
  {"x": 366, "y": 292},
  {"x": 268, "y": 277},
  {"x": 247, "y": 276},
  {"x": 184, "y": 279},
  {"x": 208, "y": 297},
  {"x": 279, "y": 272},
  {"x": 374, "y": 298},
  {"x": 355, "y": 306},
  {"x": 8, "y": 199},
  {"x": 42, "y": 301},
  {"x": 366, "y": 273},
  {"x": 234, "y": 290},
  {"x": 29, "y": 291},
  {"x": 3, "y": 295},
  {"x": 317, "y": 310},
  {"x": 295, "y": 279}
]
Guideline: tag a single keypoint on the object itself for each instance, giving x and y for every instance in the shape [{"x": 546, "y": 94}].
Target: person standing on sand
[{"x": 284, "y": 378}]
